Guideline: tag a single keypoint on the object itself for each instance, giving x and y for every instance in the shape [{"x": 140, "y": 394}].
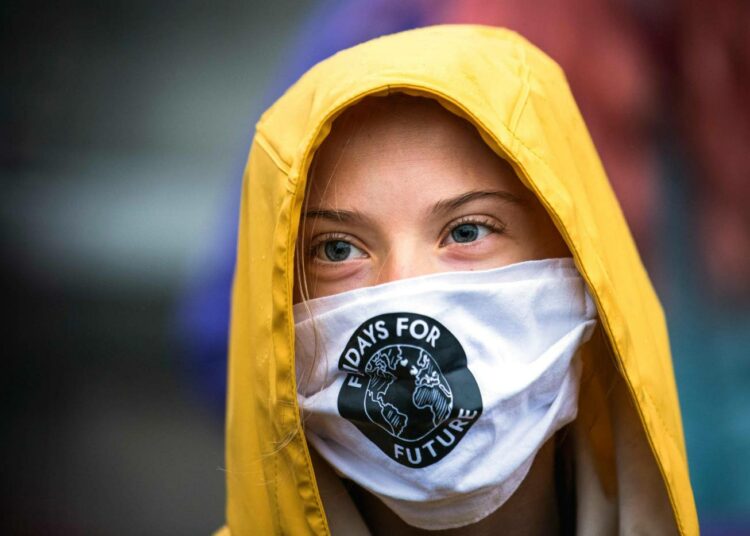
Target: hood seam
[
  {"x": 272, "y": 153},
  {"x": 523, "y": 98}
]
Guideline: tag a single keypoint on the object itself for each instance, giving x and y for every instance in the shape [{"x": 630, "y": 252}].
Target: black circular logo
[{"x": 408, "y": 388}]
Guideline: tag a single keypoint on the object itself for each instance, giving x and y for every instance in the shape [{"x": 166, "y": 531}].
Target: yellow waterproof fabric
[{"x": 519, "y": 99}]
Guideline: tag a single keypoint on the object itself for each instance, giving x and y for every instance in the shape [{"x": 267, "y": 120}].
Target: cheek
[
  {"x": 328, "y": 280},
  {"x": 493, "y": 251},
  {"x": 543, "y": 240}
]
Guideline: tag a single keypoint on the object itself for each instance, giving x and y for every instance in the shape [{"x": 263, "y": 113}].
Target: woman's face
[{"x": 403, "y": 188}]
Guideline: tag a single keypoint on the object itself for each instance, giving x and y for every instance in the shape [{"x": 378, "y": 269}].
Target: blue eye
[
  {"x": 338, "y": 251},
  {"x": 468, "y": 232}
]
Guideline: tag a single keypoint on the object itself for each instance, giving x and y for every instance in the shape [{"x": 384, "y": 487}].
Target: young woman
[{"x": 435, "y": 289}]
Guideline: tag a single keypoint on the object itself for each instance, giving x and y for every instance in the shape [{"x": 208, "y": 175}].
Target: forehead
[{"x": 398, "y": 144}]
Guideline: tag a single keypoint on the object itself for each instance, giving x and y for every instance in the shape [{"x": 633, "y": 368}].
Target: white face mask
[{"x": 435, "y": 393}]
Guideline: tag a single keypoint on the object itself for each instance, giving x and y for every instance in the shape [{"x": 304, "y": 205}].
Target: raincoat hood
[{"x": 630, "y": 452}]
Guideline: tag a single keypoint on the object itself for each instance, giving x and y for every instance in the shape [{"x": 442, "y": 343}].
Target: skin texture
[
  {"x": 390, "y": 184},
  {"x": 402, "y": 188}
]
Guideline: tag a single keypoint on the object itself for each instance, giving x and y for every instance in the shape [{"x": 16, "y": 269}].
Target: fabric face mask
[{"x": 436, "y": 393}]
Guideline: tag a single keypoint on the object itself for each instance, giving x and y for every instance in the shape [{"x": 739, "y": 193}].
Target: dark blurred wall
[{"x": 125, "y": 127}]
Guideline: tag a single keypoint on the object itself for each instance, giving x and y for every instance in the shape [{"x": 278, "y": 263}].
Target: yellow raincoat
[{"x": 631, "y": 468}]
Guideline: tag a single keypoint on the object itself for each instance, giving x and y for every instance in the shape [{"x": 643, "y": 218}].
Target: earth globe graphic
[{"x": 407, "y": 394}]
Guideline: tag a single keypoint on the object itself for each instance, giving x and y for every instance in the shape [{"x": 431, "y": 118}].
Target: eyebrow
[
  {"x": 448, "y": 205},
  {"x": 343, "y": 216},
  {"x": 442, "y": 206}
]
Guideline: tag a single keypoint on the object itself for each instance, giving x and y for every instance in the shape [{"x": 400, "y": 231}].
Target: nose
[{"x": 404, "y": 261}]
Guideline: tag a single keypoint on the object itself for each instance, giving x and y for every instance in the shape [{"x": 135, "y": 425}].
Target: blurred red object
[{"x": 713, "y": 84}]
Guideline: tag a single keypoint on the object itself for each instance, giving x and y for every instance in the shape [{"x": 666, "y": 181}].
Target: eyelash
[
  {"x": 328, "y": 237},
  {"x": 486, "y": 222}
]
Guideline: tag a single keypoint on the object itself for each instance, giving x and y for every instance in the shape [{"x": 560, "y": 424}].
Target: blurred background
[{"x": 124, "y": 129}]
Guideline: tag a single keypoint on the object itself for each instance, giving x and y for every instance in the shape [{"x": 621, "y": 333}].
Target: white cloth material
[{"x": 435, "y": 393}]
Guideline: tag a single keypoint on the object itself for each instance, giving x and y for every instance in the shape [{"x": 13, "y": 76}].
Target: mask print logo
[{"x": 407, "y": 387}]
